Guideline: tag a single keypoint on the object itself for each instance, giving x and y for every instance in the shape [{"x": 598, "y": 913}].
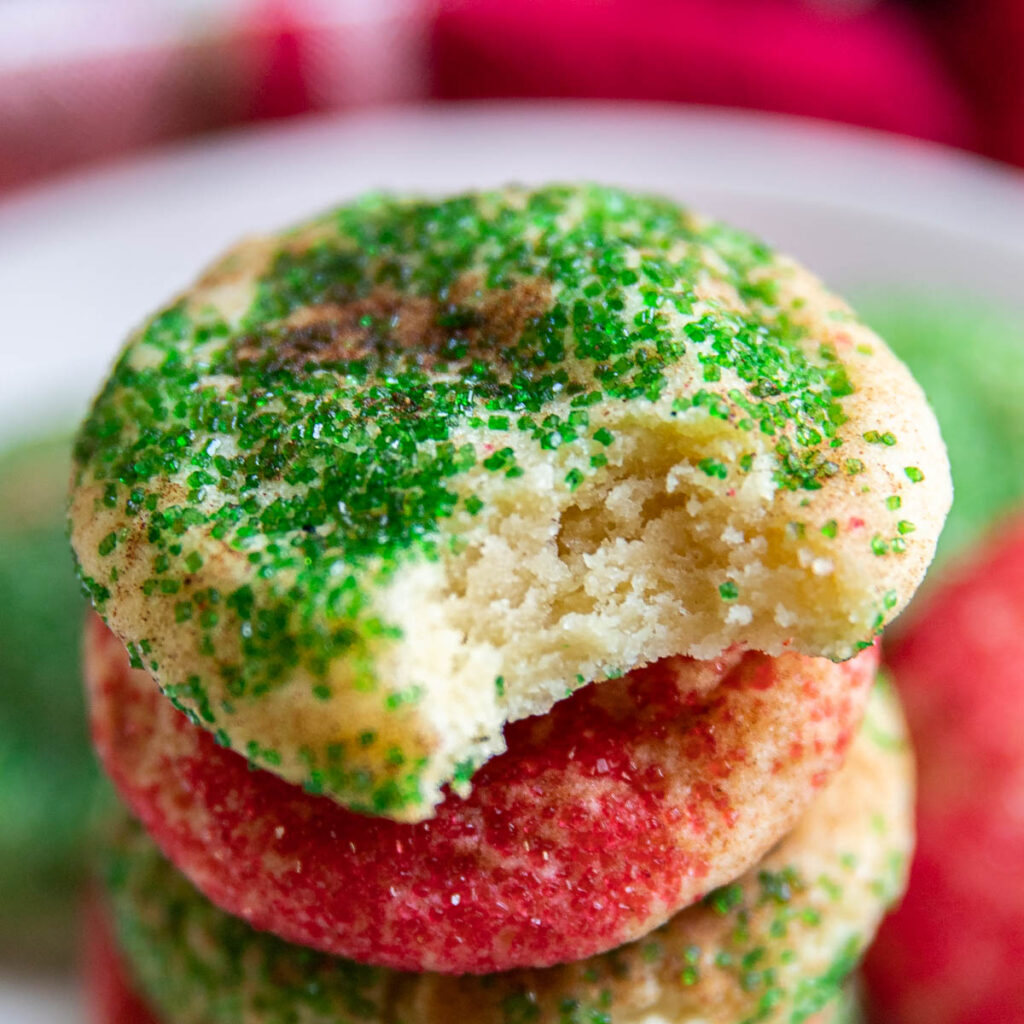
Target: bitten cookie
[
  {"x": 626, "y": 802},
  {"x": 777, "y": 945},
  {"x": 378, "y": 485}
]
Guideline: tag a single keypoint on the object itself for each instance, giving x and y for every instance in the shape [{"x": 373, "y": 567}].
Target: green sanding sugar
[
  {"x": 330, "y": 455},
  {"x": 199, "y": 965},
  {"x": 969, "y": 358}
]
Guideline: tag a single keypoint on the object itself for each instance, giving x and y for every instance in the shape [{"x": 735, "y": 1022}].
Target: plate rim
[{"x": 889, "y": 150}]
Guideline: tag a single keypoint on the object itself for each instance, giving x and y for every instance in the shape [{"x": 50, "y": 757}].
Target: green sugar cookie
[
  {"x": 378, "y": 485},
  {"x": 47, "y": 773},
  {"x": 969, "y": 358}
]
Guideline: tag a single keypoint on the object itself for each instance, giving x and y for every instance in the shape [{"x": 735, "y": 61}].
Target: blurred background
[
  {"x": 84, "y": 80},
  {"x": 88, "y": 83}
]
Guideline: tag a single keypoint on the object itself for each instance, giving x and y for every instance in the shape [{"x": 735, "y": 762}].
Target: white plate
[{"x": 82, "y": 261}]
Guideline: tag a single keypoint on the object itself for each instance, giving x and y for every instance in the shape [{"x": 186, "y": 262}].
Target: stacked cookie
[{"x": 488, "y": 587}]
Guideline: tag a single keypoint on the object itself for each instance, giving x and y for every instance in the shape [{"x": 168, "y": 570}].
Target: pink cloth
[{"x": 82, "y": 80}]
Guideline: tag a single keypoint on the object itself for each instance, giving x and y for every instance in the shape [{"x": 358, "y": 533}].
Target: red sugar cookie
[
  {"x": 109, "y": 994},
  {"x": 626, "y": 802},
  {"x": 952, "y": 954}
]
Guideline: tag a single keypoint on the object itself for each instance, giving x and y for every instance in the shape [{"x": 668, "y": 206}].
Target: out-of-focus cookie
[
  {"x": 621, "y": 805},
  {"x": 112, "y": 998},
  {"x": 110, "y": 995},
  {"x": 47, "y": 771},
  {"x": 951, "y": 953},
  {"x": 776, "y": 945},
  {"x": 968, "y": 355},
  {"x": 378, "y": 485}
]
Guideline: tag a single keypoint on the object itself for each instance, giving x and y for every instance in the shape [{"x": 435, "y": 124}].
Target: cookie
[
  {"x": 110, "y": 995},
  {"x": 968, "y": 355},
  {"x": 775, "y": 945},
  {"x": 378, "y": 485},
  {"x": 626, "y": 802},
  {"x": 47, "y": 771},
  {"x": 950, "y": 953},
  {"x": 112, "y": 998}
]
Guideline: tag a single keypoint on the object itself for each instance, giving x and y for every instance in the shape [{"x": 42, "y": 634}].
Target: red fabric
[
  {"x": 280, "y": 88},
  {"x": 874, "y": 69},
  {"x": 983, "y": 41}
]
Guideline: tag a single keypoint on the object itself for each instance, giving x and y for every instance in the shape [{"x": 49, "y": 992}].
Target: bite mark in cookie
[{"x": 380, "y": 485}]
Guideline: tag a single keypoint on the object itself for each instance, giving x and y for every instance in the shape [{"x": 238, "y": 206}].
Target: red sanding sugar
[{"x": 626, "y": 802}]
